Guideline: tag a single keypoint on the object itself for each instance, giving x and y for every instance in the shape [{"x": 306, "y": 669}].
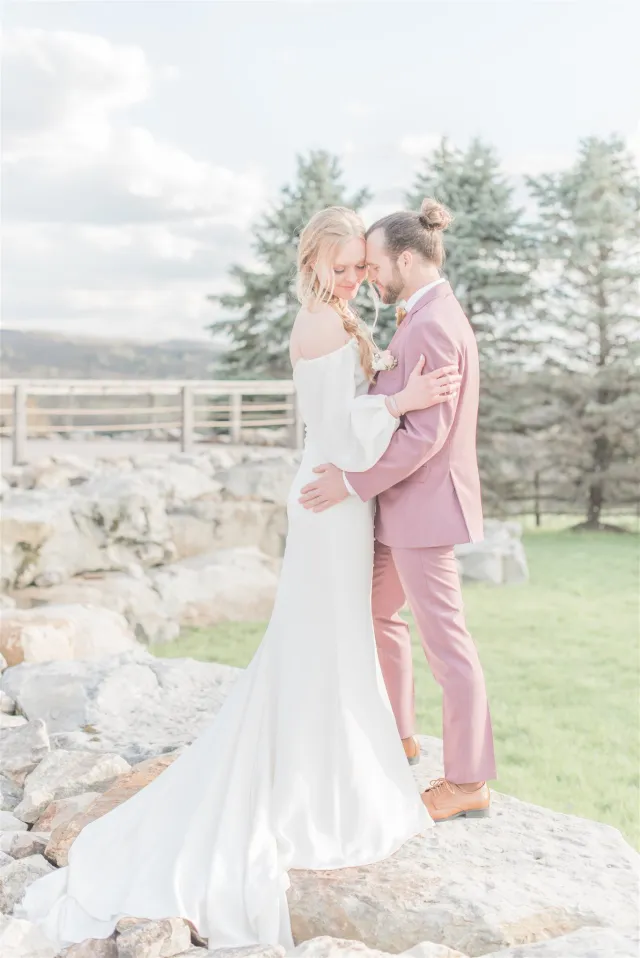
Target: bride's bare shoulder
[{"x": 317, "y": 332}]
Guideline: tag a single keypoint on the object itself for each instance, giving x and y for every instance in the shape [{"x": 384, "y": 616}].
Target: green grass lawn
[{"x": 562, "y": 660}]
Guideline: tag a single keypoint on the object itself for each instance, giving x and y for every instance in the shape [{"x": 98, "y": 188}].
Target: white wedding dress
[{"x": 302, "y": 767}]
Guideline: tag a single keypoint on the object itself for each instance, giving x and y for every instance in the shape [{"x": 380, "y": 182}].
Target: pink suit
[{"x": 429, "y": 500}]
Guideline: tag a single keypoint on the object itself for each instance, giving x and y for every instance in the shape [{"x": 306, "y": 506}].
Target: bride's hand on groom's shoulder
[{"x": 424, "y": 390}]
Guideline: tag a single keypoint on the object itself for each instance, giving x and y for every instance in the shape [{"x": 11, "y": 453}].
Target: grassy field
[{"x": 562, "y": 660}]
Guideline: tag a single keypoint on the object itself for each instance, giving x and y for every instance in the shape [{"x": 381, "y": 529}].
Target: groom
[{"x": 428, "y": 500}]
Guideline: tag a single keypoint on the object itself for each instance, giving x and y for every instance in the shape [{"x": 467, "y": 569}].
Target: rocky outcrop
[
  {"x": 63, "y": 632},
  {"x": 135, "y": 705},
  {"x": 131, "y": 594},
  {"x": 65, "y": 519},
  {"x": 526, "y": 878},
  {"x": 238, "y": 585},
  {"x": 498, "y": 559}
]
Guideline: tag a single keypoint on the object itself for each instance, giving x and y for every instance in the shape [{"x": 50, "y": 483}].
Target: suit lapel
[{"x": 436, "y": 292}]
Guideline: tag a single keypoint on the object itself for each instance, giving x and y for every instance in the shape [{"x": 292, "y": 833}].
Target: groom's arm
[{"x": 423, "y": 432}]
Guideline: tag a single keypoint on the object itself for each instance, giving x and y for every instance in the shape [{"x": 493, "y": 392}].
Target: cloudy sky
[{"x": 142, "y": 139}]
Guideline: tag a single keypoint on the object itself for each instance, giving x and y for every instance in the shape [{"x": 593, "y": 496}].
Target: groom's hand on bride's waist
[{"x": 327, "y": 490}]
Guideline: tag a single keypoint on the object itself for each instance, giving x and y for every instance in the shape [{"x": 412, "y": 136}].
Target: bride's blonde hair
[{"x": 320, "y": 240}]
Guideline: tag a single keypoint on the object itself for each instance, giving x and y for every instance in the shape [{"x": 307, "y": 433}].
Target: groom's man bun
[
  {"x": 419, "y": 232},
  {"x": 433, "y": 215}
]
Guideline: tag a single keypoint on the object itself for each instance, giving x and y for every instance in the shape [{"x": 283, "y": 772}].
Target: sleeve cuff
[{"x": 348, "y": 485}]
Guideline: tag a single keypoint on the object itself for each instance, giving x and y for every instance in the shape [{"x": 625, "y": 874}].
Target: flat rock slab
[
  {"x": 523, "y": 875},
  {"x": 154, "y": 939},
  {"x": 586, "y": 943},
  {"x": 133, "y": 704}
]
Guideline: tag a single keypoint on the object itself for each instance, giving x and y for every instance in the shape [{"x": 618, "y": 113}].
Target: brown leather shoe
[
  {"x": 445, "y": 801},
  {"x": 411, "y": 750}
]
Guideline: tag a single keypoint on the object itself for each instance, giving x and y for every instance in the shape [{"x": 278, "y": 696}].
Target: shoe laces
[{"x": 438, "y": 785}]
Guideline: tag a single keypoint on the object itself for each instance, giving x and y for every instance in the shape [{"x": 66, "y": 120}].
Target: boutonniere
[{"x": 383, "y": 361}]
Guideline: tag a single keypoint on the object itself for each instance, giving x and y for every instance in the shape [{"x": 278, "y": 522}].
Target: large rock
[
  {"x": 523, "y": 875},
  {"x": 63, "y": 632},
  {"x": 498, "y": 559},
  {"x": 52, "y": 472},
  {"x": 125, "y": 515},
  {"x": 586, "y": 943},
  {"x": 11, "y": 721},
  {"x": 16, "y": 878},
  {"x": 427, "y": 949},
  {"x": 9, "y": 823},
  {"x": 130, "y": 593},
  {"x": 92, "y": 948},
  {"x": 41, "y": 541},
  {"x": 21, "y": 939},
  {"x": 209, "y": 525},
  {"x": 7, "y": 705},
  {"x": 21, "y": 749},
  {"x": 266, "y": 480},
  {"x": 154, "y": 939},
  {"x": 23, "y": 844},
  {"x": 63, "y": 810},
  {"x": 10, "y": 794},
  {"x": 123, "y": 788},
  {"x": 136, "y": 705},
  {"x": 249, "y": 951},
  {"x": 233, "y": 585},
  {"x": 107, "y": 523},
  {"x": 326, "y": 947},
  {"x": 62, "y": 774}
]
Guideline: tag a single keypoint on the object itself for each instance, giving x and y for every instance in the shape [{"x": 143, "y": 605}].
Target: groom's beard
[{"x": 393, "y": 290}]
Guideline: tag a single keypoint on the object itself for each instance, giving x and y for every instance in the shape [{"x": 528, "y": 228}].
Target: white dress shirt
[{"x": 408, "y": 305}]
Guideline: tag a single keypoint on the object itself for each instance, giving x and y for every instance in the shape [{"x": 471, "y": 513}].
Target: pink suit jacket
[{"x": 427, "y": 481}]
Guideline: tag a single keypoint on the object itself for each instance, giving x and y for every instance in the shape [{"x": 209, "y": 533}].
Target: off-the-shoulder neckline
[{"x": 334, "y": 352}]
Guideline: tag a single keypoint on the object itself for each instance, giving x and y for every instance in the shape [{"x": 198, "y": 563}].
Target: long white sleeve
[{"x": 348, "y": 430}]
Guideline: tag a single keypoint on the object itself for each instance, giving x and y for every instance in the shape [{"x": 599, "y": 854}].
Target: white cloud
[
  {"x": 122, "y": 230},
  {"x": 421, "y": 144},
  {"x": 359, "y": 109}
]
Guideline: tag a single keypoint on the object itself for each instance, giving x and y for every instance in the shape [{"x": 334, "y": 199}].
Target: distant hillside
[{"x": 39, "y": 355}]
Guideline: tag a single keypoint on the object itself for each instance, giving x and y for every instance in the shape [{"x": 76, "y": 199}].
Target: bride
[{"x": 303, "y": 766}]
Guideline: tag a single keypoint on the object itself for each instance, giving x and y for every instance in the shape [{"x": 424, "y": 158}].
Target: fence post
[
  {"x": 297, "y": 433},
  {"x": 236, "y": 418},
  {"x": 19, "y": 424},
  {"x": 187, "y": 418}
]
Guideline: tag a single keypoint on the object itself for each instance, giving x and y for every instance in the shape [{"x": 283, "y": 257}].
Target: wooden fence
[{"x": 187, "y": 409}]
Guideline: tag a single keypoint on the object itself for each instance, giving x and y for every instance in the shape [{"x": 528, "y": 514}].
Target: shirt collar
[{"x": 419, "y": 293}]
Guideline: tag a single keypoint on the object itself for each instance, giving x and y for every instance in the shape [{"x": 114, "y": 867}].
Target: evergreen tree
[
  {"x": 259, "y": 316},
  {"x": 590, "y": 229},
  {"x": 490, "y": 262},
  {"x": 490, "y": 251}
]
